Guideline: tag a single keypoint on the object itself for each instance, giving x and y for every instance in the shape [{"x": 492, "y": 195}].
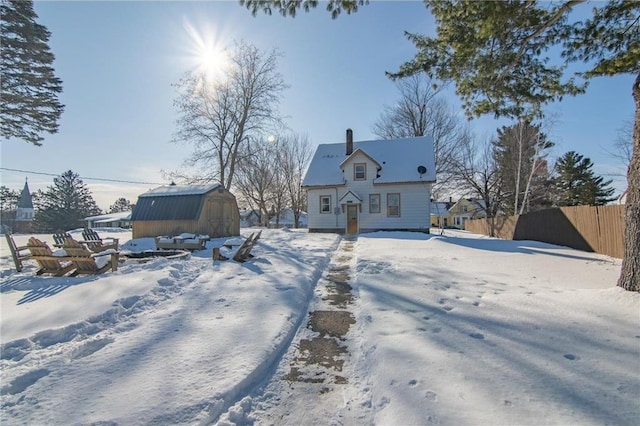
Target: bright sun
[
  {"x": 212, "y": 62},
  {"x": 206, "y": 52}
]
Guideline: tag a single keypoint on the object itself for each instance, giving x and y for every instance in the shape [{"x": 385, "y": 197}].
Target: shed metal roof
[{"x": 178, "y": 207}]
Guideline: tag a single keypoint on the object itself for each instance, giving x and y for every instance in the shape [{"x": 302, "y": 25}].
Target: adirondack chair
[
  {"x": 49, "y": 264},
  {"x": 16, "y": 252},
  {"x": 97, "y": 244},
  {"x": 87, "y": 262},
  {"x": 60, "y": 238},
  {"x": 244, "y": 252}
]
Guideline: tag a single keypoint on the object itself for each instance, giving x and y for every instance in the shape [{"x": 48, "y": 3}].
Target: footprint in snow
[
  {"x": 21, "y": 383},
  {"x": 431, "y": 396},
  {"x": 90, "y": 348},
  {"x": 413, "y": 382},
  {"x": 571, "y": 357},
  {"x": 478, "y": 336}
]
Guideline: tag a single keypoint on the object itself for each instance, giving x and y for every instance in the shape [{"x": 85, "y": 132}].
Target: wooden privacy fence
[{"x": 597, "y": 229}]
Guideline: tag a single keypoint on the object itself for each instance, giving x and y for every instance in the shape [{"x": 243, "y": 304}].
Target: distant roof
[
  {"x": 399, "y": 159},
  {"x": 110, "y": 217},
  {"x": 439, "y": 207},
  {"x": 169, "y": 190}
]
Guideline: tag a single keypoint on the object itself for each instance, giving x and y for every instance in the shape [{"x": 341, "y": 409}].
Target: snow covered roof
[
  {"x": 439, "y": 208},
  {"x": 110, "y": 217},
  {"x": 169, "y": 190},
  {"x": 399, "y": 160}
]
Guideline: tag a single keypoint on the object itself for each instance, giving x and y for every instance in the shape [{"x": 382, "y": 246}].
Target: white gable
[{"x": 399, "y": 160}]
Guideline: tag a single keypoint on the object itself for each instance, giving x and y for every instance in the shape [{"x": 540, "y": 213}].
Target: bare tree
[
  {"x": 257, "y": 175},
  {"x": 623, "y": 145},
  {"x": 294, "y": 156},
  {"x": 477, "y": 174},
  {"x": 419, "y": 112},
  {"x": 219, "y": 117}
]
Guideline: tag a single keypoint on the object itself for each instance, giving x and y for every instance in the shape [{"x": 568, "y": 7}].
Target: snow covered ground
[{"x": 456, "y": 329}]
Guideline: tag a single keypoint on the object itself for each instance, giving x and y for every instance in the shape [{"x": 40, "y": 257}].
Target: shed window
[
  {"x": 325, "y": 204},
  {"x": 393, "y": 205},
  {"x": 360, "y": 171}
]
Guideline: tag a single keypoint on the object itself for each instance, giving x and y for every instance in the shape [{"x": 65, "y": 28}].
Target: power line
[{"x": 82, "y": 177}]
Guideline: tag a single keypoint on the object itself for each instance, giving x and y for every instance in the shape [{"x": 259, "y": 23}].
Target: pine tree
[
  {"x": 8, "y": 205},
  {"x": 121, "y": 205},
  {"x": 576, "y": 184},
  {"x": 65, "y": 204},
  {"x": 29, "y": 103},
  {"x": 519, "y": 152}
]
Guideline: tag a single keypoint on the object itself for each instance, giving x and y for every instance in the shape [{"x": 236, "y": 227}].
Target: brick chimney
[{"x": 349, "y": 141}]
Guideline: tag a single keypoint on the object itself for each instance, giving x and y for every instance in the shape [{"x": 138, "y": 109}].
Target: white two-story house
[{"x": 380, "y": 185}]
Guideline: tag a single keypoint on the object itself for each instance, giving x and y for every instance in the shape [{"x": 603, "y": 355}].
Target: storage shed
[{"x": 174, "y": 209}]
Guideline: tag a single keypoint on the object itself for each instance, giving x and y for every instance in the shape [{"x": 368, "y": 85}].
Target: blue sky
[{"x": 118, "y": 61}]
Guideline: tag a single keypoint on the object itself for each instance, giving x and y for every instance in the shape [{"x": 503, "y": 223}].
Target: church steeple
[
  {"x": 25, "y": 211},
  {"x": 25, "y": 201}
]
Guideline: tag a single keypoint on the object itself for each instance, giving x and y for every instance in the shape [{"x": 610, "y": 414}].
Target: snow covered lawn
[{"x": 454, "y": 329}]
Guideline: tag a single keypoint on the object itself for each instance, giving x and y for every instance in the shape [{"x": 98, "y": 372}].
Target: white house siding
[
  {"x": 326, "y": 222},
  {"x": 414, "y": 208}
]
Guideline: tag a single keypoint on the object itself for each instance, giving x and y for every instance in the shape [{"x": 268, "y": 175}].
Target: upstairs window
[
  {"x": 325, "y": 204},
  {"x": 360, "y": 171}
]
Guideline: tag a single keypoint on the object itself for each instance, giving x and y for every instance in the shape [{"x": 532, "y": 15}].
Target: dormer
[{"x": 360, "y": 166}]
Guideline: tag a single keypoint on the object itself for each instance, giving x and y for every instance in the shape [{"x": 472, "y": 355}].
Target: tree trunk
[{"x": 630, "y": 274}]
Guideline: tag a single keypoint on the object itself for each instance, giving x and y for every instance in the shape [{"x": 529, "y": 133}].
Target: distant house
[
  {"x": 111, "y": 220},
  {"x": 465, "y": 209},
  {"x": 286, "y": 218},
  {"x": 622, "y": 199},
  {"x": 370, "y": 186},
  {"x": 199, "y": 209},
  {"x": 440, "y": 215},
  {"x": 250, "y": 217}
]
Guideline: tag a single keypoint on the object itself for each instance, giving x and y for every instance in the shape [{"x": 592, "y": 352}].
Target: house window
[
  {"x": 325, "y": 204},
  {"x": 393, "y": 205},
  {"x": 360, "y": 171},
  {"x": 374, "y": 203}
]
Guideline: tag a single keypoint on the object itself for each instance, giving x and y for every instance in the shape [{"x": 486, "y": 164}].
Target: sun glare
[{"x": 207, "y": 55}]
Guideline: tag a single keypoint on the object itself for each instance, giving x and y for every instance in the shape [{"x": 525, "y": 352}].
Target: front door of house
[{"x": 352, "y": 219}]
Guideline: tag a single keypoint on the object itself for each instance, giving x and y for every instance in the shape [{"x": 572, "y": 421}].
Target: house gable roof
[
  {"x": 172, "y": 202},
  {"x": 350, "y": 198},
  {"x": 358, "y": 152},
  {"x": 399, "y": 160}
]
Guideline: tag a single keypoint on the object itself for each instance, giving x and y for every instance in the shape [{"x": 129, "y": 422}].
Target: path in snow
[{"x": 315, "y": 381}]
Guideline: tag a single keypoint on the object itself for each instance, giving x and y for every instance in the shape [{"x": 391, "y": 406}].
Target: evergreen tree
[
  {"x": 576, "y": 184},
  {"x": 8, "y": 206},
  {"x": 519, "y": 152},
  {"x": 65, "y": 204},
  {"x": 121, "y": 205},
  {"x": 29, "y": 103}
]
